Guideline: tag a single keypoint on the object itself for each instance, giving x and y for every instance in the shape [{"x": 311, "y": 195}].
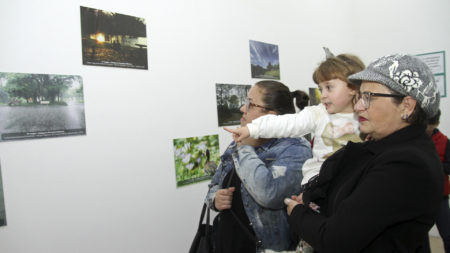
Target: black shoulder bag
[{"x": 202, "y": 242}]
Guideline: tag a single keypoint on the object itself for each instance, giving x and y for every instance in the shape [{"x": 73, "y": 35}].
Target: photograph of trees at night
[{"x": 112, "y": 39}]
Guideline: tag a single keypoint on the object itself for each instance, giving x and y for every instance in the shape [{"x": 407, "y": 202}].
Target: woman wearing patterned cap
[{"x": 381, "y": 195}]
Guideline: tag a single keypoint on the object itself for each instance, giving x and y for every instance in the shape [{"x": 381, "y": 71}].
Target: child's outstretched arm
[
  {"x": 282, "y": 126},
  {"x": 239, "y": 134}
]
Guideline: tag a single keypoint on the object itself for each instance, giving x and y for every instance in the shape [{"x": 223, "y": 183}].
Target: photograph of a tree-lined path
[
  {"x": 40, "y": 105},
  {"x": 113, "y": 39}
]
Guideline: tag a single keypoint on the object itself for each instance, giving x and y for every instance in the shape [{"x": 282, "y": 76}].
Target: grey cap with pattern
[{"x": 407, "y": 75}]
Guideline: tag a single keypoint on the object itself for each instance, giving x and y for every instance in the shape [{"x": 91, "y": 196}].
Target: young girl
[{"x": 332, "y": 122}]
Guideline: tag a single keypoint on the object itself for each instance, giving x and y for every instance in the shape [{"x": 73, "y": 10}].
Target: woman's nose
[
  {"x": 243, "y": 108},
  {"x": 359, "y": 106}
]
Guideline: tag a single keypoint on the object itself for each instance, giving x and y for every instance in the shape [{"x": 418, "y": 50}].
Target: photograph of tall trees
[
  {"x": 264, "y": 60},
  {"x": 2, "y": 203},
  {"x": 113, "y": 39},
  {"x": 40, "y": 105},
  {"x": 196, "y": 158},
  {"x": 230, "y": 98}
]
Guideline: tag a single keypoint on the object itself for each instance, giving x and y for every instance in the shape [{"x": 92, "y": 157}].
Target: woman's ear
[
  {"x": 408, "y": 103},
  {"x": 354, "y": 92}
]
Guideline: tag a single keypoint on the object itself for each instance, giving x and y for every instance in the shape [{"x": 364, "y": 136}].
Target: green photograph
[{"x": 196, "y": 158}]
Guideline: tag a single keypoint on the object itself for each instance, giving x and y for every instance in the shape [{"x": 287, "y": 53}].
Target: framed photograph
[
  {"x": 2, "y": 202},
  {"x": 314, "y": 96},
  {"x": 436, "y": 62},
  {"x": 265, "y": 61},
  {"x": 112, "y": 39},
  {"x": 40, "y": 105},
  {"x": 230, "y": 98},
  {"x": 196, "y": 158}
]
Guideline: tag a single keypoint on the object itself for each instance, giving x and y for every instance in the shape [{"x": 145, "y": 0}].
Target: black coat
[{"x": 377, "y": 196}]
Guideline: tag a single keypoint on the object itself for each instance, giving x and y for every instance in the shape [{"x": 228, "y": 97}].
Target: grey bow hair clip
[{"x": 328, "y": 53}]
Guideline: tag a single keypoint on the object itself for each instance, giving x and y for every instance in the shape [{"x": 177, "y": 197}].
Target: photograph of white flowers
[{"x": 196, "y": 158}]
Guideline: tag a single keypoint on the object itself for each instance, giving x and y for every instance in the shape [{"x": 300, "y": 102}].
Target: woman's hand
[
  {"x": 239, "y": 134},
  {"x": 292, "y": 202},
  {"x": 223, "y": 198}
]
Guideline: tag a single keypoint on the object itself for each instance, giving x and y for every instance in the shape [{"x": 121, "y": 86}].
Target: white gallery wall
[{"x": 114, "y": 189}]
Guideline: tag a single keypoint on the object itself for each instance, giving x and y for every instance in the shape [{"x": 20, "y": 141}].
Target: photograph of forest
[
  {"x": 196, "y": 158},
  {"x": 230, "y": 98},
  {"x": 265, "y": 62},
  {"x": 2, "y": 203},
  {"x": 112, "y": 39},
  {"x": 40, "y": 105}
]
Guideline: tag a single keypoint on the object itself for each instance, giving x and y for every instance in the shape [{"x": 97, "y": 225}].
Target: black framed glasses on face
[
  {"x": 365, "y": 97},
  {"x": 249, "y": 105}
]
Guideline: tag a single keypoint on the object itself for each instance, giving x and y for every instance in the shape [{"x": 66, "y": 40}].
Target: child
[
  {"x": 332, "y": 122},
  {"x": 443, "y": 149}
]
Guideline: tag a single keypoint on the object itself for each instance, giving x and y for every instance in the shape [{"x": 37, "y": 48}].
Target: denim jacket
[{"x": 269, "y": 173}]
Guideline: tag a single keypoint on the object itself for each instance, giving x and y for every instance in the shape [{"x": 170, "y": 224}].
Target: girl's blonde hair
[{"x": 339, "y": 67}]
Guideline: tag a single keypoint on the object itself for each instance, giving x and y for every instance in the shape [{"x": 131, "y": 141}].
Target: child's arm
[
  {"x": 287, "y": 125},
  {"x": 281, "y": 126},
  {"x": 277, "y": 126}
]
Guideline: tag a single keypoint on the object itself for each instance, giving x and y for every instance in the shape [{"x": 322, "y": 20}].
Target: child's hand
[{"x": 239, "y": 134}]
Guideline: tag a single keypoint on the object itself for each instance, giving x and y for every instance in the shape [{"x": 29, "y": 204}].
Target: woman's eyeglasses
[
  {"x": 365, "y": 97},
  {"x": 248, "y": 105}
]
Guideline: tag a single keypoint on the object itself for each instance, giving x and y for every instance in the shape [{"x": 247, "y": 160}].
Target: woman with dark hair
[
  {"x": 381, "y": 195},
  {"x": 261, "y": 172}
]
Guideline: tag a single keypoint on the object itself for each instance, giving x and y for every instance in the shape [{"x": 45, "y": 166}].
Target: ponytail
[{"x": 301, "y": 98}]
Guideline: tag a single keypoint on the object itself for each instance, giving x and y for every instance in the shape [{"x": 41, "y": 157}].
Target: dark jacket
[
  {"x": 443, "y": 150},
  {"x": 377, "y": 196}
]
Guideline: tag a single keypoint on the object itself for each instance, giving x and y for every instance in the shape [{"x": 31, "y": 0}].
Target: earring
[{"x": 405, "y": 116}]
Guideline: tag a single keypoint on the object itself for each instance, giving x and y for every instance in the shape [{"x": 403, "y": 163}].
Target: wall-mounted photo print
[
  {"x": 2, "y": 202},
  {"x": 264, "y": 60},
  {"x": 40, "y": 105},
  {"x": 230, "y": 98},
  {"x": 112, "y": 39},
  {"x": 196, "y": 158},
  {"x": 314, "y": 96}
]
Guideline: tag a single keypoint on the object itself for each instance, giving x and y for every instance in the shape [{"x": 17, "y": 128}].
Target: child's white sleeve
[{"x": 281, "y": 126}]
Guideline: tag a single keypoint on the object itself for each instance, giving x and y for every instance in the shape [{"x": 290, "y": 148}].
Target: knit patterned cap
[{"x": 407, "y": 75}]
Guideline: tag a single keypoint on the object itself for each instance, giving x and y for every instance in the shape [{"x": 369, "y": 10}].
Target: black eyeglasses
[
  {"x": 365, "y": 97},
  {"x": 249, "y": 105}
]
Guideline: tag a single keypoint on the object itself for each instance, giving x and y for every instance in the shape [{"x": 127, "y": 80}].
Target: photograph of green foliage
[
  {"x": 40, "y": 105},
  {"x": 230, "y": 98},
  {"x": 314, "y": 96},
  {"x": 265, "y": 62},
  {"x": 2, "y": 203},
  {"x": 196, "y": 158},
  {"x": 112, "y": 39}
]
